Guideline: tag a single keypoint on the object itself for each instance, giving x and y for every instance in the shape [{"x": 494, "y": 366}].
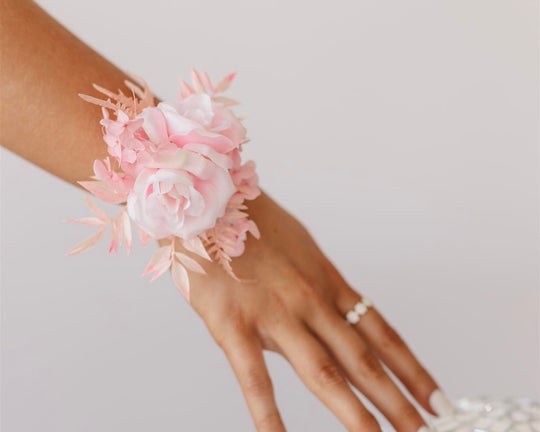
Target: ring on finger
[{"x": 358, "y": 310}]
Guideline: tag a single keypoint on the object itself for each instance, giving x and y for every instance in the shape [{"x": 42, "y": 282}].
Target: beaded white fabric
[{"x": 491, "y": 414}]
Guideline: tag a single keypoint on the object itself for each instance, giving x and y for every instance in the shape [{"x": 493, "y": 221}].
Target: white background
[{"x": 404, "y": 135}]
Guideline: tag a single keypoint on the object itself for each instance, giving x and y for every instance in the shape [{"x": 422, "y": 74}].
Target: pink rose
[
  {"x": 182, "y": 194},
  {"x": 196, "y": 123}
]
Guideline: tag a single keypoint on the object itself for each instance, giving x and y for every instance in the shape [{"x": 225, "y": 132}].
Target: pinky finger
[{"x": 246, "y": 358}]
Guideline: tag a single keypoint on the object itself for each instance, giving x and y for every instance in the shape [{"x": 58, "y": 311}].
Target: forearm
[{"x": 44, "y": 67}]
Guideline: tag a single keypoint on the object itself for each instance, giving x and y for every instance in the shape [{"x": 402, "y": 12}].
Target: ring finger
[
  {"x": 362, "y": 367},
  {"x": 322, "y": 376},
  {"x": 390, "y": 347}
]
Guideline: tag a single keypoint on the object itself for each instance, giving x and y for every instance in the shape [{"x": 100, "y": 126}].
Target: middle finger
[
  {"x": 362, "y": 367},
  {"x": 322, "y": 376}
]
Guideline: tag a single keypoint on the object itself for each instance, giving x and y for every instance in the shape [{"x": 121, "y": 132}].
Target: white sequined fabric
[{"x": 491, "y": 414}]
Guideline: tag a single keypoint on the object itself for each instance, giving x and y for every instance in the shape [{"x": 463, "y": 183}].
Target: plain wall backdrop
[{"x": 404, "y": 135}]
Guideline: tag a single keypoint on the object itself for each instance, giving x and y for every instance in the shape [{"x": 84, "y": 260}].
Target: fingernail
[
  {"x": 440, "y": 403},
  {"x": 424, "y": 429}
]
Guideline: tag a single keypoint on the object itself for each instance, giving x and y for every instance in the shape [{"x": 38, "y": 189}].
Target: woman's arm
[
  {"x": 44, "y": 67},
  {"x": 297, "y": 309}
]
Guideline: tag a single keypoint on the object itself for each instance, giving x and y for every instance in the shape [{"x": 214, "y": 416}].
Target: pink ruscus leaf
[
  {"x": 196, "y": 246},
  {"x": 181, "y": 279},
  {"x": 95, "y": 209},
  {"x": 88, "y": 220},
  {"x": 189, "y": 262},
  {"x": 127, "y": 230},
  {"x": 88, "y": 243},
  {"x": 163, "y": 254}
]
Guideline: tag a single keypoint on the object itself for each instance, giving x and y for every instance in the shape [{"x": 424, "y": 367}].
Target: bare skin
[{"x": 297, "y": 307}]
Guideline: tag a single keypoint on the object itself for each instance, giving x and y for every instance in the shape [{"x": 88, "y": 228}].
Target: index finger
[{"x": 245, "y": 355}]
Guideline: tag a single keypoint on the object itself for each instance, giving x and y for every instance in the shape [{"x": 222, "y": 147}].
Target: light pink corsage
[{"x": 176, "y": 170}]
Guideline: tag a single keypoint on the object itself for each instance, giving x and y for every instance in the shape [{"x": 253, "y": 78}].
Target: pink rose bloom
[
  {"x": 182, "y": 194},
  {"x": 195, "y": 123}
]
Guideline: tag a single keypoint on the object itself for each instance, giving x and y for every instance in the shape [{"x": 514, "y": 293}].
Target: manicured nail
[
  {"x": 440, "y": 403},
  {"x": 424, "y": 429}
]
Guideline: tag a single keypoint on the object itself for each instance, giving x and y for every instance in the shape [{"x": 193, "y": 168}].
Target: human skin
[{"x": 298, "y": 304}]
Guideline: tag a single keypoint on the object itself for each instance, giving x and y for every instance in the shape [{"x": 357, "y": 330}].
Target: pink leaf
[
  {"x": 160, "y": 269},
  {"x": 206, "y": 81},
  {"x": 224, "y": 240},
  {"x": 117, "y": 230},
  {"x": 186, "y": 89},
  {"x": 127, "y": 230},
  {"x": 95, "y": 209},
  {"x": 88, "y": 243},
  {"x": 161, "y": 255},
  {"x": 235, "y": 214},
  {"x": 143, "y": 236},
  {"x": 224, "y": 83},
  {"x": 190, "y": 263},
  {"x": 91, "y": 99},
  {"x": 196, "y": 246},
  {"x": 197, "y": 83},
  {"x": 113, "y": 246},
  {"x": 103, "y": 191},
  {"x": 181, "y": 279},
  {"x": 227, "y": 228},
  {"x": 254, "y": 229},
  {"x": 225, "y": 100},
  {"x": 88, "y": 220}
]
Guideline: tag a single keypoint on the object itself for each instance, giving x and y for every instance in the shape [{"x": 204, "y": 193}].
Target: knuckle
[
  {"x": 420, "y": 383},
  {"x": 409, "y": 412},
  {"x": 328, "y": 374},
  {"x": 269, "y": 422},
  {"x": 219, "y": 336},
  {"x": 390, "y": 338},
  {"x": 366, "y": 423},
  {"x": 278, "y": 317},
  {"x": 421, "y": 375},
  {"x": 228, "y": 331},
  {"x": 370, "y": 365},
  {"x": 310, "y": 301},
  {"x": 306, "y": 292},
  {"x": 257, "y": 383}
]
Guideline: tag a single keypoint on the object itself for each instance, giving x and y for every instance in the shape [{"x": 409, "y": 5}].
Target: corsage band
[{"x": 177, "y": 172}]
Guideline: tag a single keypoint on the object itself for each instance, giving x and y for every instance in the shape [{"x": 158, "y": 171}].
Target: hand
[{"x": 297, "y": 309}]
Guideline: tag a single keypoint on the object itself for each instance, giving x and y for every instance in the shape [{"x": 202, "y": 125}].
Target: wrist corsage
[{"x": 176, "y": 170}]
